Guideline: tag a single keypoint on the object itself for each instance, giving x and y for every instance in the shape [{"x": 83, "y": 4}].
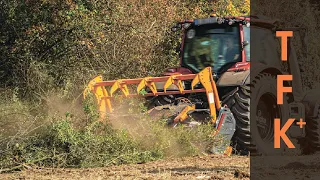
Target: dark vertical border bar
[{"x": 268, "y": 118}]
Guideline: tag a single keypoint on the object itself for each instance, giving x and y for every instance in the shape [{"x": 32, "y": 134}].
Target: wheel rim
[{"x": 267, "y": 110}]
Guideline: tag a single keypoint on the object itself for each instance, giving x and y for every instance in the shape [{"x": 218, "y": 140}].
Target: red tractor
[
  {"x": 224, "y": 45},
  {"x": 215, "y": 64}
]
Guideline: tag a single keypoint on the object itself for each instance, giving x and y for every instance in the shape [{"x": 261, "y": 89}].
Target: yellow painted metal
[
  {"x": 173, "y": 80},
  {"x": 183, "y": 115},
  {"x": 101, "y": 95},
  {"x": 216, "y": 94},
  {"x": 119, "y": 85},
  {"x": 228, "y": 151},
  {"x": 146, "y": 82},
  {"x": 205, "y": 78}
]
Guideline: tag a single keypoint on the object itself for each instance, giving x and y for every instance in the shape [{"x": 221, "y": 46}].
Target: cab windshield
[{"x": 211, "y": 45}]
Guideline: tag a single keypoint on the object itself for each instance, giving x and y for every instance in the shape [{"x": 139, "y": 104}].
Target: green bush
[
  {"x": 62, "y": 142},
  {"x": 61, "y": 145}
]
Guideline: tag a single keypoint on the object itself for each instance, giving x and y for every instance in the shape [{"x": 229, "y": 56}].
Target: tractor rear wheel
[
  {"x": 312, "y": 140},
  {"x": 255, "y": 127}
]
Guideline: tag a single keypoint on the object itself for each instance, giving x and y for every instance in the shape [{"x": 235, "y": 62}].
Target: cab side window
[{"x": 246, "y": 32}]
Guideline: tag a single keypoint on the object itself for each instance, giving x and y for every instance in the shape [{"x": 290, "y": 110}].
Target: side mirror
[{"x": 176, "y": 28}]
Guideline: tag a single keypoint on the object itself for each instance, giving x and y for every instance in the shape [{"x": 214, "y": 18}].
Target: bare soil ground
[
  {"x": 286, "y": 167},
  {"x": 204, "y": 167}
]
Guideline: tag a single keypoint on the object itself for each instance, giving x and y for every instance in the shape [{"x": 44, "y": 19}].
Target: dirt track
[{"x": 207, "y": 167}]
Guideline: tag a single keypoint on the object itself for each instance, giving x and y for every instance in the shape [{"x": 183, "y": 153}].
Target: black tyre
[
  {"x": 312, "y": 140},
  {"x": 255, "y": 109},
  {"x": 239, "y": 103}
]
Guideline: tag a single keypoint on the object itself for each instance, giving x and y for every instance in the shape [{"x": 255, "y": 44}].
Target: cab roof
[{"x": 253, "y": 20}]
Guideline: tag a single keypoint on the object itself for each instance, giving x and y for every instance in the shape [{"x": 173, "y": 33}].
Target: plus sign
[{"x": 301, "y": 123}]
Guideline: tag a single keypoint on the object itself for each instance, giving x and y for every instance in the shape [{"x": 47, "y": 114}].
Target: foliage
[
  {"x": 232, "y": 8},
  {"x": 63, "y": 146},
  {"x": 61, "y": 143},
  {"x": 46, "y": 45}
]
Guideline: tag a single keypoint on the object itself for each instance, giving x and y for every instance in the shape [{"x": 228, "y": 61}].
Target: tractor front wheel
[{"x": 239, "y": 103}]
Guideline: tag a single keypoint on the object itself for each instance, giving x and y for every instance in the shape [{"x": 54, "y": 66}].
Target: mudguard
[
  {"x": 233, "y": 78},
  {"x": 260, "y": 68},
  {"x": 243, "y": 77}
]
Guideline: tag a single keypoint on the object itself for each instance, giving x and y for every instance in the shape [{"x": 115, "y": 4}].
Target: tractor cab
[{"x": 214, "y": 42}]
